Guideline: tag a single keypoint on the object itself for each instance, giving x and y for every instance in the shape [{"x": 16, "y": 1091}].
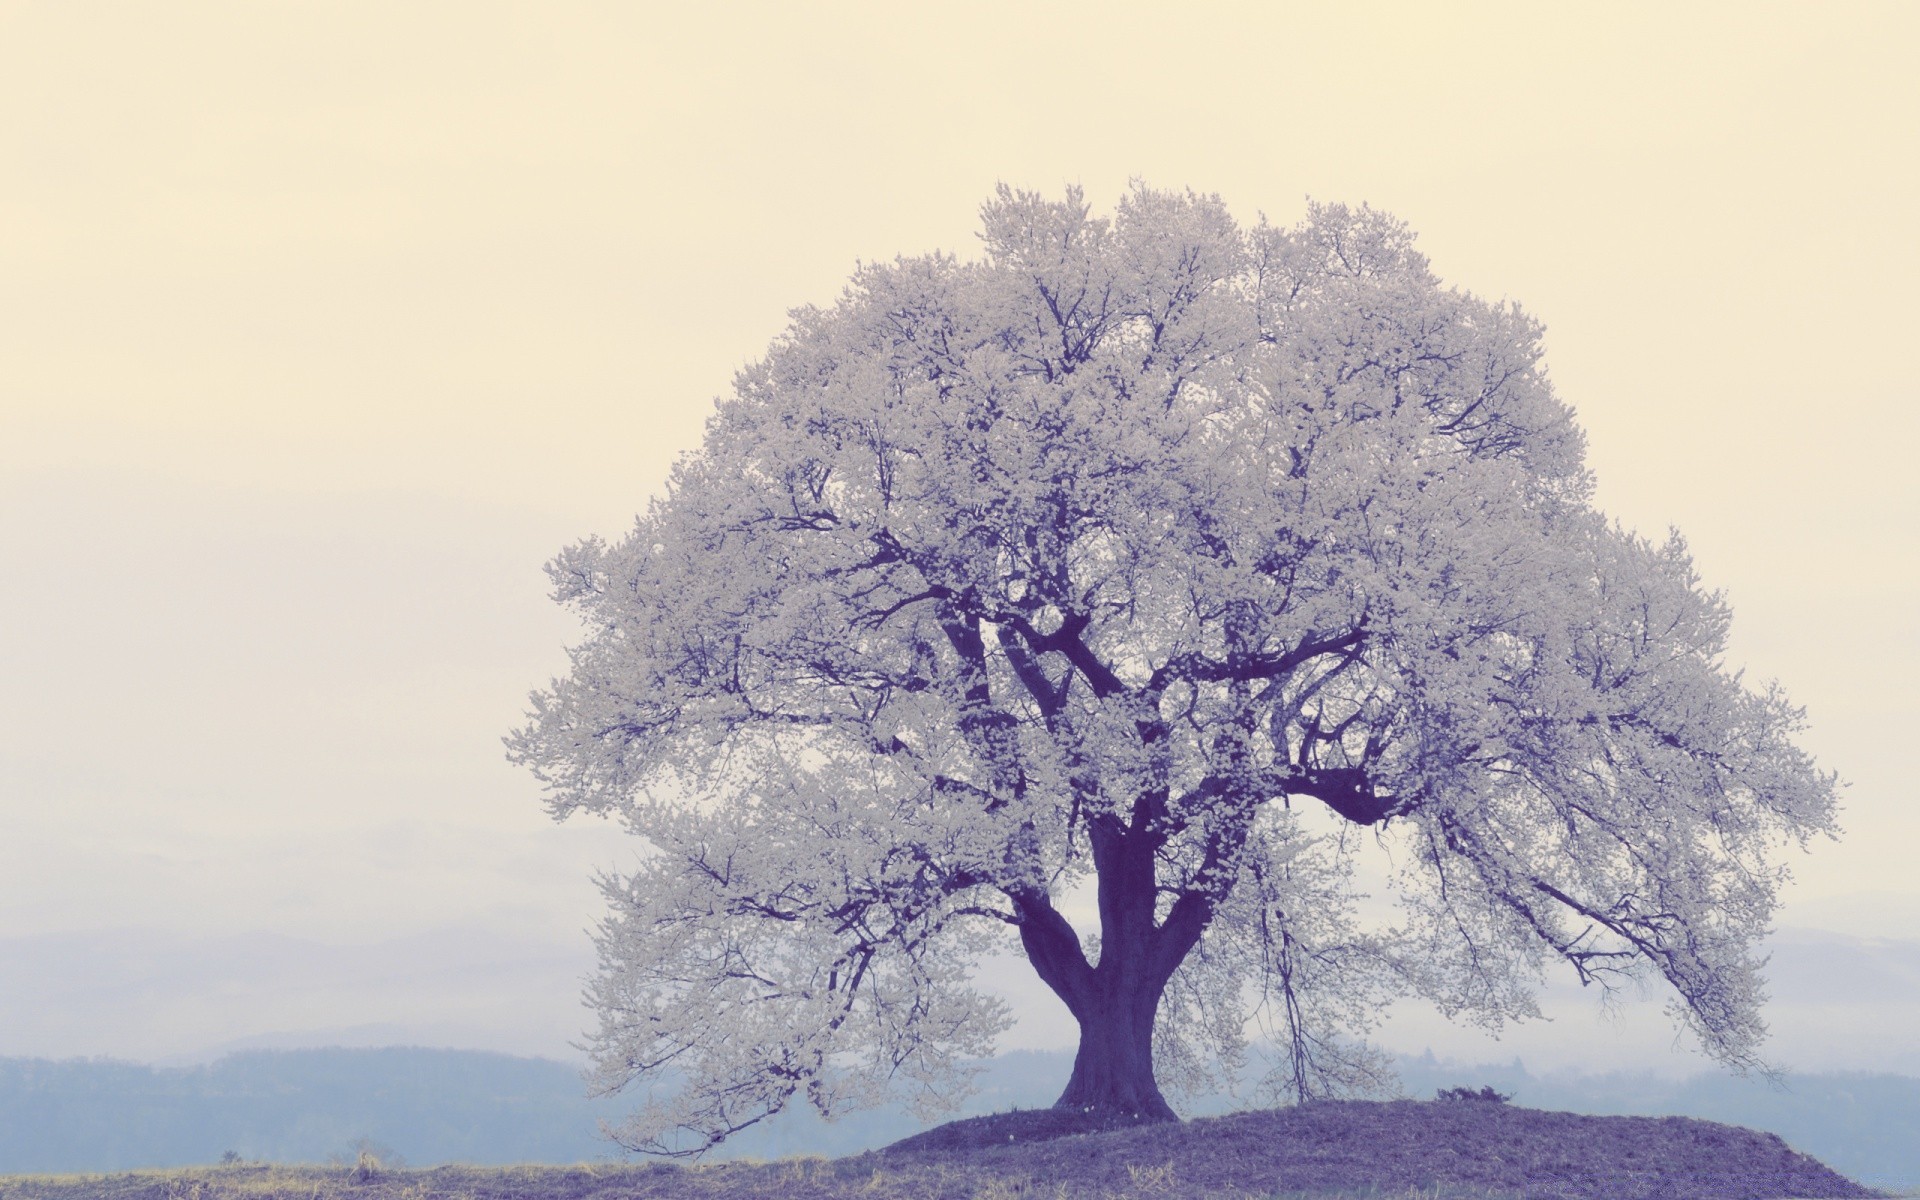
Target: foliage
[
  {"x": 367, "y": 1159},
  {"x": 1485, "y": 1094},
  {"x": 1163, "y": 557}
]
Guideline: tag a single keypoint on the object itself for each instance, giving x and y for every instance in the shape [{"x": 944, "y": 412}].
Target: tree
[{"x": 1164, "y": 556}]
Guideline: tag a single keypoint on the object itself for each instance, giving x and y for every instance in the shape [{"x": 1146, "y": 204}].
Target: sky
[{"x": 324, "y": 325}]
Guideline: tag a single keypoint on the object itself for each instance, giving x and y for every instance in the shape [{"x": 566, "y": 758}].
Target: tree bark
[
  {"x": 1115, "y": 1001},
  {"x": 1113, "y": 1069}
]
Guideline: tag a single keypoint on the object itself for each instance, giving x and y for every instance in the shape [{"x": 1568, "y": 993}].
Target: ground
[{"x": 1334, "y": 1150}]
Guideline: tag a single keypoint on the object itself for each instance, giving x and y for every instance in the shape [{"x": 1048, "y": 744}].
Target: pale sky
[{"x": 324, "y": 325}]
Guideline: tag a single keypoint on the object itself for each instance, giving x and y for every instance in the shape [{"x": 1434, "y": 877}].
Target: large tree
[{"x": 1165, "y": 556}]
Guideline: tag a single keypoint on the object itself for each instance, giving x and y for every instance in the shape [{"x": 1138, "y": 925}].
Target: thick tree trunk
[
  {"x": 1114, "y": 1002},
  {"x": 1113, "y": 1070}
]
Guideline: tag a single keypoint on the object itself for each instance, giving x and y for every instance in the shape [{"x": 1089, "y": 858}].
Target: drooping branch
[{"x": 1722, "y": 1012}]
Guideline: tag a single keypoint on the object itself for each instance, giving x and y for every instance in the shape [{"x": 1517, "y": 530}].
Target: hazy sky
[{"x": 322, "y": 326}]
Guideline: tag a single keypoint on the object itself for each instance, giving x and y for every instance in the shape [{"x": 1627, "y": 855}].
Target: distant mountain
[
  {"x": 294, "y": 1106},
  {"x": 434, "y": 1106}
]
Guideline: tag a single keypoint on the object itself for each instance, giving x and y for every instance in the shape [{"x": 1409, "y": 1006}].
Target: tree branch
[
  {"x": 1197, "y": 668},
  {"x": 1052, "y": 946}
]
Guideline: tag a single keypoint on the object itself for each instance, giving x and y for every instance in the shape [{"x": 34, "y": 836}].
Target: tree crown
[{"x": 1153, "y": 552}]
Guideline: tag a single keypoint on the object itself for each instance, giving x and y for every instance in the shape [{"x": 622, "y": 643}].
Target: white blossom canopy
[{"x": 1165, "y": 554}]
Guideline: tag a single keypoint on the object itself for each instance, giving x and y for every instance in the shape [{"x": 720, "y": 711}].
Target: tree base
[
  {"x": 1013, "y": 1128},
  {"x": 1116, "y": 1115}
]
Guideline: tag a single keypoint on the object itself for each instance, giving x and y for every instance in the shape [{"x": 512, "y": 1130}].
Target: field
[{"x": 1347, "y": 1150}]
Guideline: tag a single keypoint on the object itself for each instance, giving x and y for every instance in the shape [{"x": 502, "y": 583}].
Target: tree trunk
[
  {"x": 1115, "y": 1001},
  {"x": 1113, "y": 1070}
]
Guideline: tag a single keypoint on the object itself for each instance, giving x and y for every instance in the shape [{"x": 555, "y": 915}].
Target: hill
[
  {"x": 1453, "y": 1149},
  {"x": 294, "y": 1106}
]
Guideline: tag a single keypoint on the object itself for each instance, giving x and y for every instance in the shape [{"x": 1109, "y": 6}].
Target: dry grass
[{"x": 1459, "y": 1150}]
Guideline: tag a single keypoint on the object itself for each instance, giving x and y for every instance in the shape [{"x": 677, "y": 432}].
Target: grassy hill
[{"x": 1434, "y": 1150}]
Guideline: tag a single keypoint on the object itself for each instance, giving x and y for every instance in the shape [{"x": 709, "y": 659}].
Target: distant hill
[
  {"x": 439, "y": 1106},
  {"x": 294, "y": 1106}
]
